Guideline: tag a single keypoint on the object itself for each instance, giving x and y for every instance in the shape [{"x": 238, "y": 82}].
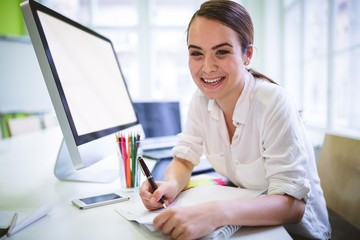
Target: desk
[{"x": 27, "y": 181}]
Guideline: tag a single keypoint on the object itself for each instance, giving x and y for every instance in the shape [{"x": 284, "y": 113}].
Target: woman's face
[{"x": 216, "y": 60}]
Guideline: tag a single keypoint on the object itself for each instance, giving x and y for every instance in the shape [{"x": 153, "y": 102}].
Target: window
[
  {"x": 293, "y": 54},
  {"x": 346, "y": 52},
  {"x": 321, "y": 48},
  {"x": 315, "y": 61}
]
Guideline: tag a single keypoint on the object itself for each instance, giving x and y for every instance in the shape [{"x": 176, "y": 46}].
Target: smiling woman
[{"x": 248, "y": 129}]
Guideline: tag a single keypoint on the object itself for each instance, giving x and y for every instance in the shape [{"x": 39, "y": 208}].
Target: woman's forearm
[
  {"x": 179, "y": 172},
  {"x": 262, "y": 211}
]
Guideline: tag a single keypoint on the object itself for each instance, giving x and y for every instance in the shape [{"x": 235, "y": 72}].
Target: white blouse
[{"x": 269, "y": 149}]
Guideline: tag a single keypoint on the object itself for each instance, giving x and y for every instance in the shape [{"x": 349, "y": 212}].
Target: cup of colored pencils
[{"x": 128, "y": 150}]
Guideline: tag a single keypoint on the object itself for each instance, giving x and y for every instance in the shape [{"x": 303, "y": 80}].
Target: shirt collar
[
  {"x": 243, "y": 104},
  {"x": 214, "y": 109}
]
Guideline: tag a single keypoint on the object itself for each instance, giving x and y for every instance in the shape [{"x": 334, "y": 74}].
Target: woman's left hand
[{"x": 187, "y": 222}]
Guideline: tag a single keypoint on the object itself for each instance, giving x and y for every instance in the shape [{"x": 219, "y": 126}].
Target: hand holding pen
[{"x": 149, "y": 177}]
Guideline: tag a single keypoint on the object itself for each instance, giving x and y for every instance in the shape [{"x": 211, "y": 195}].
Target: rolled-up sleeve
[
  {"x": 188, "y": 148},
  {"x": 297, "y": 189}
]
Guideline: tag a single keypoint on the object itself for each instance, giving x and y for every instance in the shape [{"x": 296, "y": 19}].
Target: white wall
[{"x": 22, "y": 87}]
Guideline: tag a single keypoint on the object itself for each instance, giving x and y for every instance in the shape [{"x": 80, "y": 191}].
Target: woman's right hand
[
  {"x": 151, "y": 199},
  {"x": 176, "y": 177}
]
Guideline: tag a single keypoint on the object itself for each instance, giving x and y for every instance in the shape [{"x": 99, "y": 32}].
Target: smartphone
[{"x": 100, "y": 200}]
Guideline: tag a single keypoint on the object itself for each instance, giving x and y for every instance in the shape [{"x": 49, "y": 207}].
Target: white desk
[{"x": 27, "y": 181}]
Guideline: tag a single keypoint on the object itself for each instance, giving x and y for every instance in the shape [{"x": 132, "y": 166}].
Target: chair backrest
[
  {"x": 339, "y": 171},
  {"x": 19, "y": 126}
]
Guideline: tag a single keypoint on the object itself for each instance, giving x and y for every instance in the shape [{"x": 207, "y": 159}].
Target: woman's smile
[{"x": 212, "y": 82}]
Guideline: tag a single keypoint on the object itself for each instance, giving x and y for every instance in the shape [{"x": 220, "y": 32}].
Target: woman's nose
[{"x": 209, "y": 65}]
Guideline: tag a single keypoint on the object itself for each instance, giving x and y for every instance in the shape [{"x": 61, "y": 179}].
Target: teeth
[{"x": 212, "y": 81}]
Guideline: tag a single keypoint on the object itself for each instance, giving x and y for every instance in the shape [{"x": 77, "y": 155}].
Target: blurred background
[{"x": 310, "y": 47}]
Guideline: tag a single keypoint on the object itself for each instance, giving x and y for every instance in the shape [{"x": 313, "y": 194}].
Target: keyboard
[{"x": 158, "y": 154}]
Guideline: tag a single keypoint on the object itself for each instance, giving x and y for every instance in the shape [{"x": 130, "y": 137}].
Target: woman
[{"x": 250, "y": 132}]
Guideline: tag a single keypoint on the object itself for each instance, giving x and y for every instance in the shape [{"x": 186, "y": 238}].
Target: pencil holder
[{"x": 128, "y": 150}]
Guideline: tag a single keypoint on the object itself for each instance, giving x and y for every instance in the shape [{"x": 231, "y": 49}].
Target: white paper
[
  {"x": 25, "y": 220},
  {"x": 135, "y": 210}
]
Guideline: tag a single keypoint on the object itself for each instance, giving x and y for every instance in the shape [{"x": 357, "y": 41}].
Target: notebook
[
  {"x": 25, "y": 219},
  {"x": 134, "y": 209},
  {"x": 222, "y": 233}
]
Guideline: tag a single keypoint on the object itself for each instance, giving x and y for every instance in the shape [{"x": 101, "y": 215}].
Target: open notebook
[
  {"x": 134, "y": 210},
  {"x": 24, "y": 219}
]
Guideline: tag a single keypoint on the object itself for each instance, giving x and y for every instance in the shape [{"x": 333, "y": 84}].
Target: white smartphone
[{"x": 100, "y": 200}]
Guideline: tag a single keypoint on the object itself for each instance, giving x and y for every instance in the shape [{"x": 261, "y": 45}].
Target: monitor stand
[{"x": 100, "y": 172}]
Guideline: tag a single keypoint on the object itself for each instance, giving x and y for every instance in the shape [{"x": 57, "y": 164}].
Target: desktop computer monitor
[{"x": 86, "y": 87}]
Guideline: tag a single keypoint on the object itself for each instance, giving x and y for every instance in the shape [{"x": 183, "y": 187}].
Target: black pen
[{"x": 149, "y": 177}]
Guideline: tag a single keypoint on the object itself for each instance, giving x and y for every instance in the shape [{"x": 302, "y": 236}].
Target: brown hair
[{"x": 234, "y": 16}]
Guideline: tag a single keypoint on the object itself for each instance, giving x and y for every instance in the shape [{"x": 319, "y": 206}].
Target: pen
[
  {"x": 128, "y": 163},
  {"x": 149, "y": 177},
  {"x": 133, "y": 161}
]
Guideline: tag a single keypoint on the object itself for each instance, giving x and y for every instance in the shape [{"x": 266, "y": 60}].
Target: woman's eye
[
  {"x": 195, "y": 54},
  {"x": 222, "y": 52}
]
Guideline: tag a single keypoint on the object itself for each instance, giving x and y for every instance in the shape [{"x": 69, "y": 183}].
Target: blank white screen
[{"x": 90, "y": 77}]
